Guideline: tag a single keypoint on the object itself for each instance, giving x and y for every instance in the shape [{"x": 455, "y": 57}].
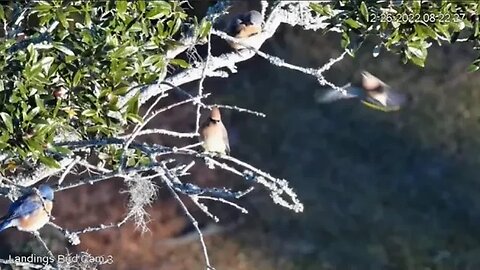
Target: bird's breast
[
  {"x": 37, "y": 219},
  {"x": 213, "y": 140}
]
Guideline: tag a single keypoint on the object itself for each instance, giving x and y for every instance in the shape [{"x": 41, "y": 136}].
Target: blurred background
[{"x": 396, "y": 190}]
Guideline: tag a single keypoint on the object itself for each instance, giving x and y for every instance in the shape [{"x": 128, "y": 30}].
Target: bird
[
  {"x": 373, "y": 92},
  {"x": 244, "y": 26},
  {"x": 60, "y": 92},
  {"x": 213, "y": 134},
  {"x": 30, "y": 212}
]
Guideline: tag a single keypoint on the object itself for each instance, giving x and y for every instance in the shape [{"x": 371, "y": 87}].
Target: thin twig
[
  {"x": 39, "y": 238},
  {"x": 200, "y": 83},
  {"x": 68, "y": 169},
  {"x": 192, "y": 220}
]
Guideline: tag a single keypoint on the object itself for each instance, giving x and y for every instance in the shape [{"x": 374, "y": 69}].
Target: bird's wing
[
  {"x": 17, "y": 203},
  {"x": 377, "y": 106},
  {"x": 234, "y": 25},
  {"x": 26, "y": 207},
  {"x": 396, "y": 98},
  {"x": 225, "y": 139},
  {"x": 331, "y": 95},
  {"x": 203, "y": 127}
]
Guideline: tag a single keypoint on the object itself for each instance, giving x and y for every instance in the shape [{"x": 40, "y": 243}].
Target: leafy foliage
[
  {"x": 65, "y": 65},
  {"x": 407, "y": 28}
]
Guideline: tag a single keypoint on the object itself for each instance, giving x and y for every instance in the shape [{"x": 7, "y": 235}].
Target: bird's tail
[
  {"x": 5, "y": 223},
  {"x": 331, "y": 95}
]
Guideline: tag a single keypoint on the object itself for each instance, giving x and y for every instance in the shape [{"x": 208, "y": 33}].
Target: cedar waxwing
[
  {"x": 60, "y": 92},
  {"x": 244, "y": 26},
  {"x": 31, "y": 211},
  {"x": 373, "y": 93},
  {"x": 214, "y": 135}
]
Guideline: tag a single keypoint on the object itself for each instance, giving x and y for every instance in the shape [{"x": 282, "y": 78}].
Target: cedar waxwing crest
[
  {"x": 215, "y": 114},
  {"x": 370, "y": 82}
]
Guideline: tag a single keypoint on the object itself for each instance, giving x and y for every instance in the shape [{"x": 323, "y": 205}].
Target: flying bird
[
  {"x": 373, "y": 92},
  {"x": 244, "y": 26},
  {"x": 214, "y": 135},
  {"x": 30, "y": 212}
]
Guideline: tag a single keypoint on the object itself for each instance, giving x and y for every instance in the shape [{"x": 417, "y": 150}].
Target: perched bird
[
  {"x": 60, "y": 92},
  {"x": 373, "y": 93},
  {"x": 30, "y": 212},
  {"x": 214, "y": 135},
  {"x": 244, "y": 26}
]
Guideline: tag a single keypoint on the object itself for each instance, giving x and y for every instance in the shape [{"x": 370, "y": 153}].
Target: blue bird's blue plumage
[{"x": 26, "y": 206}]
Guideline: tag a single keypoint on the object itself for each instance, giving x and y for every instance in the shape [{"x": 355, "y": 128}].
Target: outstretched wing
[{"x": 331, "y": 95}]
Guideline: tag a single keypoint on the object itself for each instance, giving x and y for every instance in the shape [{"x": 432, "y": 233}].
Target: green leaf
[
  {"x": 425, "y": 31},
  {"x": 152, "y": 59},
  {"x": 50, "y": 162},
  {"x": 135, "y": 118},
  {"x": 4, "y": 135},
  {"x": 473, "y": 68},
  {"x": 39, "y": 102},
  {"x": 161, "y": 9},
  {"x": 364, "y": 11},
  {"x": 132, "y": 104},
  {"x": 205, "y": 28},
  {"x": 77, "y": 78},
  {"x": 317, "y": 8},
  {"x": 89, "y": 113},
  {"x": 121, "y": 8},
  {"x": 63, "y": 150},
  {"x": 415, "y": 50},
  {"x": 46, "y": 62},
  {"x": 352, "y": 23},
  {"x": 34, "y": 145},
  {"x": 32, "y": 113},
  {"x": 418, "y": 61},
  {"x": 62, "y": 18},
  {"x": 129, "y": 50},
  {"x": 63, "y": 49},
  {"x": 141, "y": 5},
  {"x": 2, "y": 13},
  {"x": 7, "y": 120},
  {"x": 345, "y": 40},
  {"x": 443, "y": 29},
  {"x": 180, "y": 62}
]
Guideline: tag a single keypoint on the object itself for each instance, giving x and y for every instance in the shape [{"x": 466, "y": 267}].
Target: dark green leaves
[
  {"x": 7, "y": 121},
  {"x": 474, "y": 66},
  {"x": 364, "y": 11},
  {"x": 160, "y": 9},
  {"x": 81, "y": 58}
]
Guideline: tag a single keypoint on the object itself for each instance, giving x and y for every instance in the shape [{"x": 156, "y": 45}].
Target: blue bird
[
  {"x": 30, "y": 212},
  {"x": 373, "y": 92}
]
